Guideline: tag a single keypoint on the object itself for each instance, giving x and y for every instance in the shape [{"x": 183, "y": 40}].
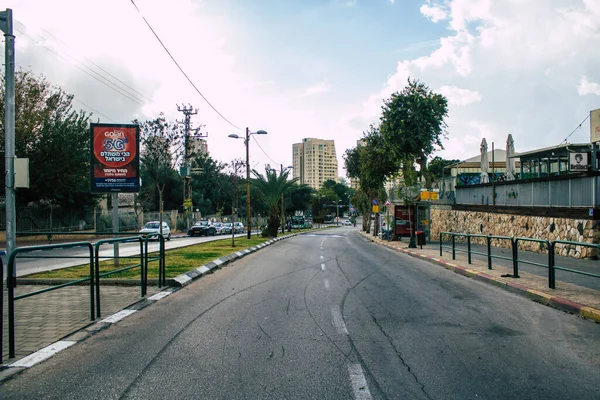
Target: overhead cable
[{"x": 181, "y": 69}]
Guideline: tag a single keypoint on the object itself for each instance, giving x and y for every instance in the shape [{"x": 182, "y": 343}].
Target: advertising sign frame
[
  {"x": 578, "y": 162},
  {"x": 595, "y": 126},
  {"x": 114, "y": 158}
]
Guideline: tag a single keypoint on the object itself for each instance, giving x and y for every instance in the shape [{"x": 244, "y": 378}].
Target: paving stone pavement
[{"x": 48, "y": 317}]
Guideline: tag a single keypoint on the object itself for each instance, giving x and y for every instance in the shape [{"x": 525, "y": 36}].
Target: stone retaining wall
[{"x": 444, "y": 219}]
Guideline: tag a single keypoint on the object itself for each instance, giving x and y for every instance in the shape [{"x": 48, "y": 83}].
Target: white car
[
  {"x": 152, "y": 230},
  {"x": 346, "y": 223},
  {"x": 239, "y": 227}
]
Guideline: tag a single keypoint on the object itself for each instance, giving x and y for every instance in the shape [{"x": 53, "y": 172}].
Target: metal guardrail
[
  {"x": 551, "y": 246},
  {"x": 162, "y": 280},
  {"x": 548, "y": 265},
  {"x": 11, "y": 283},
  {"x": 93, "y": 278},
  {"x": 97, "y": 257},
  {"x": 554, "y": 267}
]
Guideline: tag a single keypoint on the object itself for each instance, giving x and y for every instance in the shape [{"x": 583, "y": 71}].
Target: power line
[
  {"x": 94, "y": 64},
  {"x": 578, "y": 127},
  {"x": 181, "y": 69},
  {"x": 75, "y": 99},
  {"x": 265, "y": 153},
  {"x": 123, "y": 92},
  {"x": 94, "y": 110}
]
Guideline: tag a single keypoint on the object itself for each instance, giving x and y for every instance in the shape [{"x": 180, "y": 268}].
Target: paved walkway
[
  {"x": 574, "y": 293},
  {"x": 46, "y": 318}
]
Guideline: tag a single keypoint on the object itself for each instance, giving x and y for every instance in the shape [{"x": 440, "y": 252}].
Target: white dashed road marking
[
  {"x": 118, "y": 316},
  {"x": 43, "y": 354},
  {"x": 159, "y": 295},
  {"x": 338, "y": 321},
  {"x": 359, "y": 382},
  {"x": 326, "y": 283},
  {"x": 322, "y": 267}
]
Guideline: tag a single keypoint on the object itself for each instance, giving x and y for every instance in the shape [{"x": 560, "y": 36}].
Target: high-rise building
[
  {"x": 315, "y": 161},
  {"x": 198, "y": 146}
]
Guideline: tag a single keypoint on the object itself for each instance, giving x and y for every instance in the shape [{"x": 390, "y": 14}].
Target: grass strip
[{"x": 178, "y": 261}]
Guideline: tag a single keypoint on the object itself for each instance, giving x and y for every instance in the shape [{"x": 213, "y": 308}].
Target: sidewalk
[{"x": 582, "y": 299}]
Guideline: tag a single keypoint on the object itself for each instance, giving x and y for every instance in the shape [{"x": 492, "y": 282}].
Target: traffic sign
[
  {"x": 375, "y": 202},
  {"x": 388, "y": 203}
]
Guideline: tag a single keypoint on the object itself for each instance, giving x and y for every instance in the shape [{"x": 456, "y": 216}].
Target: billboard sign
[
  {"x": 595, "y": 126},
  {"x": 115, "y": 162}
]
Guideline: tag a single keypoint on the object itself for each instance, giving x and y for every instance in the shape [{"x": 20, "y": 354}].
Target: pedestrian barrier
[
  {"x": 514, "y": 245},
  {"x": 490, "y": 256},
  {"x": 93, "y": 279},
  {"x": 516, "y": 257},
  {"x": 553, "y": 267},
  {"x": 162, "y": 280},
  {"x": 99, "y": 275},
  {"x": 11, "y": 283}
]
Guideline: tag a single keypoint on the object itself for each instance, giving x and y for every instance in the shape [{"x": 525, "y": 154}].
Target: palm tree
[{"x": 271, "y": 187}]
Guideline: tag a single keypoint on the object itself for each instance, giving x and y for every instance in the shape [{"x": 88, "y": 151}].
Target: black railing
[
  {"x": 93, "y": 278},
  {"x": 514, "y": 246}
]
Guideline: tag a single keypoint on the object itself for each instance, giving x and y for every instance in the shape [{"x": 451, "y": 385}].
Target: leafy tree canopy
[
  {"x": 55, "y": 137},
  {"x": 412, "y": 124},
  {"x": 437, "y": 164}
]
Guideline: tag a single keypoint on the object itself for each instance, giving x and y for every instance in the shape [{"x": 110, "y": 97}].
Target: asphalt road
[
  {"x": 47, "y": 260},
  {"x": 329, "y": 316}
]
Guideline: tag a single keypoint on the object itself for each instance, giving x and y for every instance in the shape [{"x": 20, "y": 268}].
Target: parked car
[
  {"x": 346, "y": 222},
  {"x": 226, "y": 228},
  {"x": 219, "y": 227},
  {"x": 239, "y": 227},
  {"x": 152, "y": 230},
  {"x": 202, "y": 228}
]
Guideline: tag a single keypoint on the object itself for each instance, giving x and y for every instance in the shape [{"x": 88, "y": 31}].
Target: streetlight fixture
[{"x": 247, "y": 143}]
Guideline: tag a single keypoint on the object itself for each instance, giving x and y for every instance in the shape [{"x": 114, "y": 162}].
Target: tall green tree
[
  {"x": 270, "y": 188},
  {"x": 437, "y": 165},
  {"x": 55, "y": 137},
  {"x": 161, "y": 147},
  {"x": 371, "y": 162},
  {"x": 212, "y": 188},
  {"x": 412, "y": 125}
]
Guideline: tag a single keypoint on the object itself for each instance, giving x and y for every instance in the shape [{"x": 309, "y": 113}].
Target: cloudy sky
[{"x": 321, "y": 68}]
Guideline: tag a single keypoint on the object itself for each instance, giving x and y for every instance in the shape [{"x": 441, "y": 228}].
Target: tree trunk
[{"x": 422, "y": 161}]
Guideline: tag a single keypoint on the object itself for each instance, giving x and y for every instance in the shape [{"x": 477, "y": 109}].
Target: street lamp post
[{"x": 247, "y": 143}]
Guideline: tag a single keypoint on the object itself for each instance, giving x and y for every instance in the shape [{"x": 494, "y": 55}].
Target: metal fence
[
  {"x": 93, "y": 279},
  {"x": 566, "y": 191}
]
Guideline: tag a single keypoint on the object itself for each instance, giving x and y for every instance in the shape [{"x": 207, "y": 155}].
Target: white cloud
[
  {"x": 459, "y": 97},
  {"x": 318, "y": 88},
  {"x": 587, "y": 87},
  {"x": 519, "y": 59},
  {"x": 435, "y": 13}
]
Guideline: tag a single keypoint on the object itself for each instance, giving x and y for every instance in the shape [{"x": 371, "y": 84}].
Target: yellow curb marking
[
  {"x": 590, "y": 313},
  {"x": 541, "y": 294}
]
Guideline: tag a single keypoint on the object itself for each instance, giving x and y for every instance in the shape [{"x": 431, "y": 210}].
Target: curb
[
  {"x": 12, "y": 369},
  {"x": 559, "y": 303}
]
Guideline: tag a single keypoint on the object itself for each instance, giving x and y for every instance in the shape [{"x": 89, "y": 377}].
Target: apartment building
[
  {"x": 198, "y": 146},
  {"x": 315, "y": 161}
]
